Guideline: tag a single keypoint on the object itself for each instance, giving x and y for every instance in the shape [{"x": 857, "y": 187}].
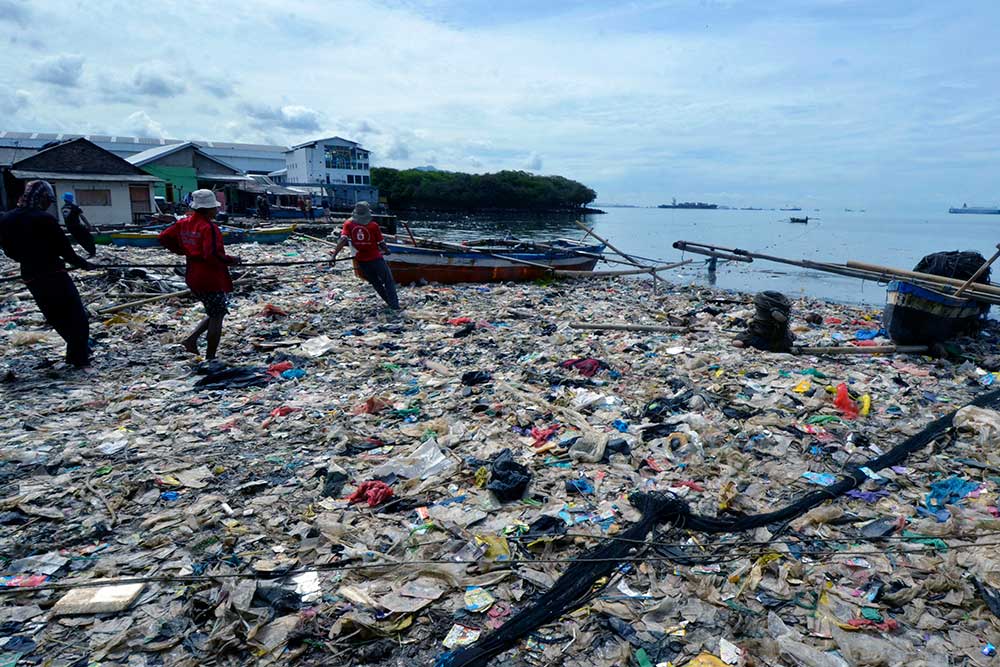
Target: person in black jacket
[
  {"x": 77, "y": 224},
  {"x": 32, "y": 237}
]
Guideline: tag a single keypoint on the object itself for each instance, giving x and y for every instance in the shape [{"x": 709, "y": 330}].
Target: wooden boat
[
  {"x": 918, "y": 315},
  {"x": 488, "y": 261},
  {"x": 799, "y": 220},
  {"x": 230, "y": 235}
]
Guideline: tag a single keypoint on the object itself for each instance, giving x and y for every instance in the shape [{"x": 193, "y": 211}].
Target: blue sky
[{"x": 819, "y": 103}]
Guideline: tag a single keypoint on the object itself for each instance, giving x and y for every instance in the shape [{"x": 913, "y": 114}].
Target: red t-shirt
[
  {"x": 200, "y": 240},
  {"x": 364, "y": 239}
]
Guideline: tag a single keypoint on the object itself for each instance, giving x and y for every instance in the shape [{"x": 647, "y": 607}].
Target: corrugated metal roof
[
  {"x": 152, "y": 154},
  {"x": 65, "y": 176},
  {"x": 11, "y": 154}
]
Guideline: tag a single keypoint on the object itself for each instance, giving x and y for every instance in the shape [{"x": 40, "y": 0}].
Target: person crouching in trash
[
  {"x": 365, "y": 237},
  {"x": 198, "y": 238}
]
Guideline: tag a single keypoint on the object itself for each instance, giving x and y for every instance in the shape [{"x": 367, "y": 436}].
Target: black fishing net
[
  {"x": 957, "y": 264},
  {"x": 577, "y": 582}
]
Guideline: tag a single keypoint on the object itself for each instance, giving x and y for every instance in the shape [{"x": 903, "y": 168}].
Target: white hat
[
  {"x": 362, "y": 213},
  {"x": 204, "y": 199}
]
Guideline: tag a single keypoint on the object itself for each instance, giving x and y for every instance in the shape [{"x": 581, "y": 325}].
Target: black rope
[{"x": 656, "y": 508}]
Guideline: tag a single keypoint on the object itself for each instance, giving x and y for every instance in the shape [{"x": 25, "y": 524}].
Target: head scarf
[{"x": 37, "y": 194}]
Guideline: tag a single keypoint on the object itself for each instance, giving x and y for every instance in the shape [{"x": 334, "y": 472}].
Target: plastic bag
[{"x": 508, "y": 479}]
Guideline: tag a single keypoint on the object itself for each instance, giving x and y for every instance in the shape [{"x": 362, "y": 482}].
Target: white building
[{"x": 339, "y": 166}]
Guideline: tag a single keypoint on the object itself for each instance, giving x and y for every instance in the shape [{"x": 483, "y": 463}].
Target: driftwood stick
[
  {"x": 619, "y": 326},
  {"x": 852, "y": 349}
]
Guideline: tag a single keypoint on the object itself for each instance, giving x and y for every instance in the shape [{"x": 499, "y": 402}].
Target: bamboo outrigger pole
[{"x": 606, "y": 242}]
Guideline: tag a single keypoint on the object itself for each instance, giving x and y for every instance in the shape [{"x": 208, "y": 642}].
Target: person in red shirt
[
  {"x": 365, "y": 237},
  {"x": 198, "y": 238}
]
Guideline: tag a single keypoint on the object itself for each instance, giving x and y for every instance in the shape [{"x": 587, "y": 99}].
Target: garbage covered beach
[{"x": 353, "y": 487}]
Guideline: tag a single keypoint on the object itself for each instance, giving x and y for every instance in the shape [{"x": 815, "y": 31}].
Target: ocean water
[{"x": 886, "y": 239}]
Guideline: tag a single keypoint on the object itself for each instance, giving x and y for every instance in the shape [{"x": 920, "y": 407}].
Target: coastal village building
[
  {"x": 249, "y": 158},
  {"x": 334, "y": 172},
  {"x": 336, "y": 168},
  {"x": 110, "y": 190},
  {"x": 186, "y": 167}
]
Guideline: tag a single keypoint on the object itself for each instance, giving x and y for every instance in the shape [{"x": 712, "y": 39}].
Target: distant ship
[
  {"x": 688, "y": 204},
  {"x": 794, "y": 208},
  {"x": 982, "y": 210}
]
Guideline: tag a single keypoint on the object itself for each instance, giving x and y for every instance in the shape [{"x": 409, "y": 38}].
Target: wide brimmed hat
[
  {"x": 362, "y": 213},
  {"x": 204, "y": 199}
]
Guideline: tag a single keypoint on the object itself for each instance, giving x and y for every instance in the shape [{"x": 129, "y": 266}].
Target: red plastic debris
[
  {"x": 542, "y": 435},
  {"x": 844, "y": 403},
  {"x": 373, "y": 492},
  {"x": 274, "y": 370},
  {"x": 459, "y": 321}
]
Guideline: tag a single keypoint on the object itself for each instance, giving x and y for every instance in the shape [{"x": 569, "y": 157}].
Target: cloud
[
  {"x": 534, "y": 162},
  {"x": 63, "y": 70},
  {"x": 289, "y": 117},
  {"x": 141, "y": 125},
  {"x": 15, "y": 11},
  {"x": 397, "y": 149},
  {"x": 155, "y": 79},
  {"x": 13, "y": 101}
]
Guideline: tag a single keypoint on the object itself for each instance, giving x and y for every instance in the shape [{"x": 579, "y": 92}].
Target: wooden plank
[
  {"x": 861, "y": 350},
  {"x": 563, "y": 273},
  {"x": 622, "y": 326}
]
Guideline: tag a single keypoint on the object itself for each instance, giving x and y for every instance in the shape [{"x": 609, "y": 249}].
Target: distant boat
[
  {"x": 799, "y": 220},
  {"x": 981, "y": 210},
  {"x": 689, "y": 204},
  {"x": 793, "y": 208}
]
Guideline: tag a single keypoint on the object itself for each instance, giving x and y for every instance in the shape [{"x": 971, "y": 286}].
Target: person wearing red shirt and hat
[
  {"x": 198, "y": 238},
  {"x": 365, "y": 237}
]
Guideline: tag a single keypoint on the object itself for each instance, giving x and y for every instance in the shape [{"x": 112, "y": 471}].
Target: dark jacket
[{"x": 35, "y": 240}]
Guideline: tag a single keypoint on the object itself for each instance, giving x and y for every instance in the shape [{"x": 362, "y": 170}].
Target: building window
[
  {"x": 366, "y": 180},
  {"x": 365, "y": 166},
  {"x": 93, "y": 197}
]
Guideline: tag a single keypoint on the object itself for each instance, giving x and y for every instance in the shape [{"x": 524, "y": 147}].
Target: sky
[{"x": 886, "y": 104}]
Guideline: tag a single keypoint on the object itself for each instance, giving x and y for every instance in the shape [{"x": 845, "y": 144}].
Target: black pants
[
  {"x": 83, "y": 236},
  {"x": 378, "y": 274},
  {"x": 60, "y": 303}
]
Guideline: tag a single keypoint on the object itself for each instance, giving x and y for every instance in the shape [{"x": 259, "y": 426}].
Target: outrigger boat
[
  {"x": 921, "y": 307},
  {"x": 231, "y": 235},
  {"x": 488, "y": 261},
  {"x": 801, "y": 221}
]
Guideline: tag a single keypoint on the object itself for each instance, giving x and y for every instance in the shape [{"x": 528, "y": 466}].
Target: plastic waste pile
[{"x": 353, "y": 488}]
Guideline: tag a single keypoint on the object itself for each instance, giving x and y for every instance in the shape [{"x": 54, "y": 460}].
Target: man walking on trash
[
  {"x": 32, "y": 237},
  {"x": 365, "y": 237},
  {"x": 200, "y": 240},
  {"x": 77, "y": 224}
]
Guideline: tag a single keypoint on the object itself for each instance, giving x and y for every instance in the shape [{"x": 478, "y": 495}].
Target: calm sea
[{"x": 889, "y": 240}]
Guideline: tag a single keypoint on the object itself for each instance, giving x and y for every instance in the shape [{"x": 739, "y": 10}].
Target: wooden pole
[
  {"x": 562, "y": 273},
  {"x": 616, "y": 326},
  {"x": 857, "y": 350},
  {"x": 926, "y": 277},
  {"x": 606, "y": 242},
  {"x": 979, "y": 272},
  {"x": 314, "y": 238},
  {"x": 143, "y": 302}
]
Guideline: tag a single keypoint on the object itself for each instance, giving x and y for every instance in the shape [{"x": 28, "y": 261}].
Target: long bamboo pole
[
  {"x": 857, "y": 270},
  {"x": 142, "y": 302},
  {"x": 618, "y": 326},
  {"x": 859, "y": 350},
  {"x": 608, "y": 243},
  {"x": 980, "y": 271},
  {"x": 926, "y": 277},
  {"x": 565, "y": 273}
]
